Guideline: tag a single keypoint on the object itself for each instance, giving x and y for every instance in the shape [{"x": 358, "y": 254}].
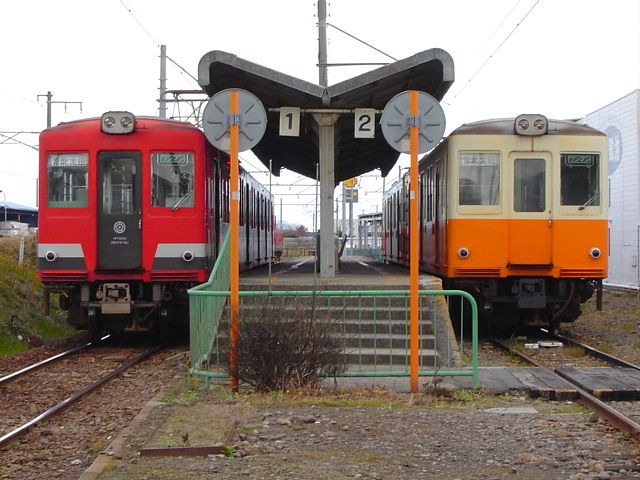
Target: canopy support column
[{"x": 326, "y": 145}]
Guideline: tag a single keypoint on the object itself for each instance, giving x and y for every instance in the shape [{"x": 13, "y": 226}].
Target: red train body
[{"x": 132, "y": 214}]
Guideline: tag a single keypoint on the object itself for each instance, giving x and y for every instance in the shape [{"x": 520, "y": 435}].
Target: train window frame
[
  {"x": 65, "y": 165},
  {"x": 544, "y": 197},
  {"x": 495, "y": 193},
  {"x": 181, "y": 200},
  {"x": 592, "y": 200}
]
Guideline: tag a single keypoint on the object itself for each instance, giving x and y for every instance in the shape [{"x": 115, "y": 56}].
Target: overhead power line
[
  {"x": 11, "y": 140},
  {"x": 494, "y": 52},
  {"x": 362, "y": 41},
  {"x": 155, "y": 42}
]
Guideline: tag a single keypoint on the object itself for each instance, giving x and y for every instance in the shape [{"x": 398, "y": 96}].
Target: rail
[
  {"x": 372, "y": 323},
  {"x": 12, "y": 435},
  {"x": 610, "y": 414}
]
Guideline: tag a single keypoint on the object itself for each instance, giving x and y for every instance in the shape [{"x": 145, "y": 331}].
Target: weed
[
  {"x": 228, "y": 451},
  {"x": 183, "y": 398}
]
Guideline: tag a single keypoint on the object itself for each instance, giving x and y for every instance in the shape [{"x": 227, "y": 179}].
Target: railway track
[
  {"x": 54, "y": 358},
  {"x": 614, "y": 416},
  {"x": 594, "y": 352},
  {"x": 33, "y": 394}
]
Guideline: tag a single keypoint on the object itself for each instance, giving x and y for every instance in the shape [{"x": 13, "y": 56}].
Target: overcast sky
[{"x": 566, "y": 59}]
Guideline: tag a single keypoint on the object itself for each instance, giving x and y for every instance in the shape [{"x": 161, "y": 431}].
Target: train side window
[
  {"x": 67, "y": 179},
  {"x": 172, "y": 179},
  {"x": 479, "y": 178},
  {"x": 580, "y": 179},
  {"x": 529, "y": 185}
]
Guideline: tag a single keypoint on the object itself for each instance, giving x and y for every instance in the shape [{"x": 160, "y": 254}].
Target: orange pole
[
  {"x": 414, "y": 239},
  {"x": 234, "y": 299}
]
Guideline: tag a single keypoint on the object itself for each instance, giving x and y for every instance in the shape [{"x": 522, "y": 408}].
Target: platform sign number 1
[
  {"x": 289, "y": 121},
  {"x": 365, "y": 123}
]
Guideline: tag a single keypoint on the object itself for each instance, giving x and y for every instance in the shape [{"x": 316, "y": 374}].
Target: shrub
[{"x": 283, "y": 347}]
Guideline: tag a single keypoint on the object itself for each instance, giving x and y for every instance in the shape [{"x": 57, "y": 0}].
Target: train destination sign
[
  {"x": 68, "y": 160},
  {"x": 172, "y": 158},
  {"x": 579, "y": 159},
  {"x": 479, "y": 159}
]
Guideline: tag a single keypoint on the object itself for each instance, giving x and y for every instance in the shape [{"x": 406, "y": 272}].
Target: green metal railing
[
  {"x": 373, "y": 324},
  {"x": 373, "y": 253},
  {"x": 206, "y": 309}
]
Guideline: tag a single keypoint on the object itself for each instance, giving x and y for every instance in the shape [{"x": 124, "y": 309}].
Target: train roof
[
  {"x": 141, "y": 123},
  {"x": 504, "y": 126}
]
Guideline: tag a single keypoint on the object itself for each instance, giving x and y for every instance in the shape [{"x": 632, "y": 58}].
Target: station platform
[
  {"x": 605, "y": 383},
  {"x": 373, "y": 328},
  {"x": 357, "y": 273}
]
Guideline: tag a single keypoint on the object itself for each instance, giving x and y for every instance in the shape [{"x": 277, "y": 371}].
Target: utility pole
[
  {"x": 49, "y": 96},
  {"x": 322, "y": 43},
  {"x": 162, "y": 108}
]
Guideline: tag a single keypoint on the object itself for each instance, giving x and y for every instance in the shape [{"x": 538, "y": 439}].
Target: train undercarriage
[
  {"x": 506, "y": 304},
  {"x": 118, "y": 306}
]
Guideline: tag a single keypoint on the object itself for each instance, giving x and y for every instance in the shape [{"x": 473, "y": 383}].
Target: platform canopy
[{"x": 431, "y": 71}]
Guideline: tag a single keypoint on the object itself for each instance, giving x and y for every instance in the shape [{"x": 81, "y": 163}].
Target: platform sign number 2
[{"x": 365, "y": 123}]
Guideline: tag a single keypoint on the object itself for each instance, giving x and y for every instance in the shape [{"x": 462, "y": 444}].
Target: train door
[
  {"x": 530, "y": 223},
  {"x": 247, "y": 224},
  {"x": 119, "y": 210}
]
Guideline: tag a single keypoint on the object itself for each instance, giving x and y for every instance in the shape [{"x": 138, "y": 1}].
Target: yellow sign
[{"x": 351, "y": 182}]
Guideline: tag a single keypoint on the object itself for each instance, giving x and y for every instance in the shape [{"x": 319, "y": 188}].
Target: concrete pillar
[{"x": 326, "y": 122}]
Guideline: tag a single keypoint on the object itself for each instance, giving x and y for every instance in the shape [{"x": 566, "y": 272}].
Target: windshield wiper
[
  {"x": 588, "y": 202},
  {"x": 179, "y": 202}
]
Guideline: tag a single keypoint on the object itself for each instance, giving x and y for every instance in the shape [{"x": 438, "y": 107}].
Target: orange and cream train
[{"x": 513, "y": 211}]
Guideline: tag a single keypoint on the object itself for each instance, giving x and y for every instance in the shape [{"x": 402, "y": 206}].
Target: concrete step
[
  {"x": 385, "y": 342},
  {"x": 339, "y": 312},
  {"x": 383, "y": 359},
  {"x": 381, "y": 327}
]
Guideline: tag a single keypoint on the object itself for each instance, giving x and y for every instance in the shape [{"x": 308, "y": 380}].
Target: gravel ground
[
  {"x": 616, "y": 329},
  {"x": 365, "y": 433},
  {"x": 375, "y": 434}
]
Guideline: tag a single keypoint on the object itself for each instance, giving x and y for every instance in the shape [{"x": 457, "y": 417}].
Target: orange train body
[{"x": 513, "y": 211}]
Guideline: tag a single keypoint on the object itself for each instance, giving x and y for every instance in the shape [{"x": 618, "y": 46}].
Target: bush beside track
[{"x": 21, "y": 295}]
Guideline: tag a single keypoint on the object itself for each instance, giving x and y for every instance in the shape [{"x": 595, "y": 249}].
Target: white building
[{"x": 620, "y": 120}]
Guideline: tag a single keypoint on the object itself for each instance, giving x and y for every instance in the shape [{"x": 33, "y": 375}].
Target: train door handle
[{"x": 139, "y": 224}]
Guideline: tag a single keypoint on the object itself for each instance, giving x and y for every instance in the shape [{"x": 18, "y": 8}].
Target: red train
[
  {"x": 514, "y": 211},
  {"x": 132, "y": 213}
]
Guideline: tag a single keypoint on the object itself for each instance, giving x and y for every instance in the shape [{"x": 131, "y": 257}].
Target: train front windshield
[{"x": 580, "y": 178}]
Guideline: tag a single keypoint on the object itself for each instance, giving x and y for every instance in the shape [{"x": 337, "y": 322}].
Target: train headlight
[
  {"x": 126, "y": 122},
  {"x": 463, "y": 252},
  {"x": 528, "y": 124},
  {"x": 187, "y": 256},
  {"x": 50, "y": 256},
  {"x": 595, "y": 252},
  {"x": 109, "y": 122},
  {"x": 118, "y": 123}
]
